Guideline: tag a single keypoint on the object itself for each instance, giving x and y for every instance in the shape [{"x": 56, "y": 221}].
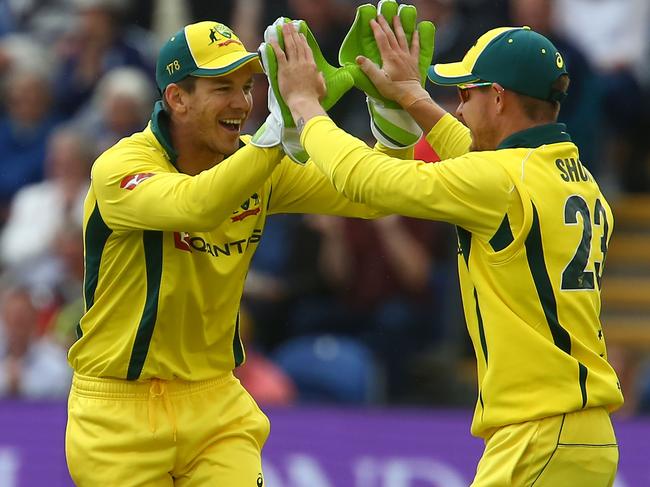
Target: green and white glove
[
  {"x": 390, "y": 124},
  {"x": 280, "y": 127}
]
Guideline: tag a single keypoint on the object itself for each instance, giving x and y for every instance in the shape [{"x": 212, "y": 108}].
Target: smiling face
[{"x": 214, "y": 112}]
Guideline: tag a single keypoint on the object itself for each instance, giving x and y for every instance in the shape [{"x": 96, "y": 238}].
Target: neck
[
  {"x": 192, "y": 158},
  {"x": 514, "y": 124}
]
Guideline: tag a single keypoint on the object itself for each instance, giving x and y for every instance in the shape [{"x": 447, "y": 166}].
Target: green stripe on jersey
[
  {"x": 464, "y": 242},
  {"x": 481, "y": 328},
  {"x": 503, "y": 236},
  {"x": 535, "y": 256},
  {"x": 582, "y": 378},
  {"x": 97, "y": 233},
  {"x": 237, "y": 347},
  {"x": 152, "y": 241}
]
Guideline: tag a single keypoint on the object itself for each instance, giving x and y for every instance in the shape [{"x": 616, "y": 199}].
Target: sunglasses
[{"x": 463, "y": 90}]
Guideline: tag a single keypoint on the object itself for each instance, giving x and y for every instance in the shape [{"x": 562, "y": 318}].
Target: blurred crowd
[{"x": 335, "y": 310}]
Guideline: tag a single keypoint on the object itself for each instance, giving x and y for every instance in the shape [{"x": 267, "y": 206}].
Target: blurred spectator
[
  {"x": 283, "y": 272},
  {"x": 40, "y": 211},
  {"x": 22, "y": 52},
  {"x": 120, "y": 106},
  {"x": 68, "y": 303},
  {"x": 30, "y": 366},
  {"x": 456, "y": 30},
  {"x": 99, "y": 43},
  {"x": 614, "y": 35},
  {"x": 581, "y": 110},
  {"x": 201, "y": 10},
  {"x": 332, "y": 369},
  {"x": 7, "y": 22},
  {"x": 24, "y": 130},
  {"x": 383, "y": 274}
]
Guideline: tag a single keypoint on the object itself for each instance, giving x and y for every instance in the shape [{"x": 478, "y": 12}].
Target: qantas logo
[
  {"x": 130, "y": 182},
  {"x": 184, "y": 241}
]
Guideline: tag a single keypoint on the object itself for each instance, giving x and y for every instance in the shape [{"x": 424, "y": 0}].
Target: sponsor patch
[
  {"x": 182, "y": 241},
  {"x": 130, "y": 182},
  {"x": 244, "y": 214},
  {"x": 229, "y": 41}
]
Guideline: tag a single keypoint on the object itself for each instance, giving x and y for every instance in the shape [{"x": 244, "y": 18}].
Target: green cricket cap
[
  {"x": 517, "y": 58},
  {"x": 203, "y": 49}
]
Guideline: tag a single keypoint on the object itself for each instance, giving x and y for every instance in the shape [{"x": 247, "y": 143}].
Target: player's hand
[
  {"x": 399, "y": 78},
  {"x": 299, "y": 79},
  {"x": 412, "y": 42},
  {"x": 280, "y": 126}
]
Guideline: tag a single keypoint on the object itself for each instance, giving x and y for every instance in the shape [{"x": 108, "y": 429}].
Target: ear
[
  {"x": 176, "y": 98},
  {"x": 500, "y": 98}
]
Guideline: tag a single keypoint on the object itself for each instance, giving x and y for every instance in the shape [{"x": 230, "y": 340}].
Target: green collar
[
  {"x": 160, "y": 128},
  {"x": 536, "y": 136}
]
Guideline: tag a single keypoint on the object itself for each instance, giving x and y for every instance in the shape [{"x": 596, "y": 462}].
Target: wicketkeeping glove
[
  {"x": 280, "y": 126},
  {"x": 390, "y": 124}
]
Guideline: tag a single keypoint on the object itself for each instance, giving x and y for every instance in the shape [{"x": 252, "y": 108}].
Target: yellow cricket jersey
[
  {"x": 167, "y": 254},
  {"x": 533, "y": 229}
]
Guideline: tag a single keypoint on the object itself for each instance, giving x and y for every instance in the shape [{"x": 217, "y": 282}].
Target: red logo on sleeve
[
  {"x": 130, "y": 182},
  {"x": 182, "y": 241}
]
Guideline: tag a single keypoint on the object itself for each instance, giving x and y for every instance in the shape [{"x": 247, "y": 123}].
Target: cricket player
[
  {"x": 533, "y": 230},
  {"x": 171, "y": 221}
]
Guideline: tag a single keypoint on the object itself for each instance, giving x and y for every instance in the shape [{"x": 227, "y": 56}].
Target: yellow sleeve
[
  {"x": 468, "y": 191},
  {"x": 305, "y": 189},
  {"x": 407, "y": 153},
  {"x": 135, "y": 191},
  {"x": 449, "y": 138}
]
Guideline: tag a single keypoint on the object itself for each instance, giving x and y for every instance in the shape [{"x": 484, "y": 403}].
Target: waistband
[{"x": 124, "y": 389}]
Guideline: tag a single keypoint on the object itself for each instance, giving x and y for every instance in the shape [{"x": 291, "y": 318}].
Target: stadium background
[{"x": 363, "y": 364}]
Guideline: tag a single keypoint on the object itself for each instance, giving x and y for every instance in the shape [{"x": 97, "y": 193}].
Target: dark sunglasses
[{"x": 463, "y": 90}]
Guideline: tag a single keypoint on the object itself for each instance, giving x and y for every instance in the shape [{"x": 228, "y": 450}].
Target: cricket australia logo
[
  {"x": 132, "y": 181},
  {"x": 219, "y": 30},
  {"x": 222, "y": 35},
  {"x": 250, "y": 207}
]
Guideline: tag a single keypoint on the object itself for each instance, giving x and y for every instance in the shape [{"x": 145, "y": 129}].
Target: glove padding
[
  {"x": 393, "y": 127},
  {"x": 280, "y": 127},
  {"x": 390, "y": 124}
]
